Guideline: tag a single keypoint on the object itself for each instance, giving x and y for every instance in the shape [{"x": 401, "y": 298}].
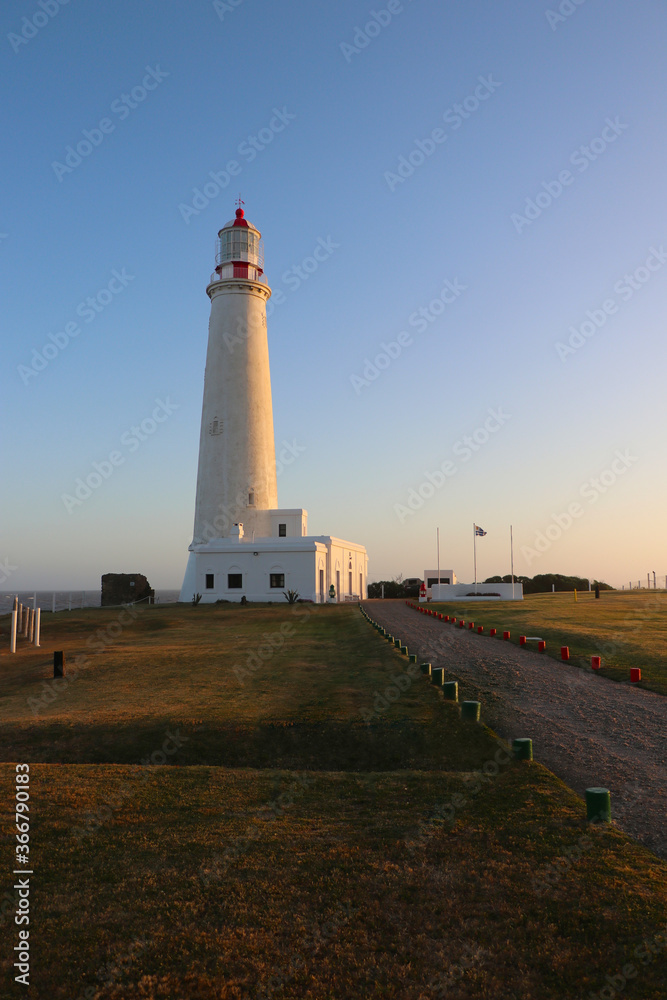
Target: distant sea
[{"x": 64, "y": 599}]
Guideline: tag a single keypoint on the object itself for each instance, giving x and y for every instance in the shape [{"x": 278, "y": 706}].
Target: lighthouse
[
  {"x": 237, "y": 458},
  {"x": 244, "y": 545}
]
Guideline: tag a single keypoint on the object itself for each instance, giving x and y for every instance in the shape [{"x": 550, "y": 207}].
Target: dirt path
[{"x": 586, "y": 729}]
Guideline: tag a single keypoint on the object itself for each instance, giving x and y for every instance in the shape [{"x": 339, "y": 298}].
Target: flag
[{"x": 479, "y": 531}]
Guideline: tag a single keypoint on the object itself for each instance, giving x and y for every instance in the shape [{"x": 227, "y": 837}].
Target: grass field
[
  {"x": 627, "y": 629},
  {"x": 280, "y": 846}
]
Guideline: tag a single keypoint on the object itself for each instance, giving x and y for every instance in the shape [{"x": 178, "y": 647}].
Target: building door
[
  {"x": 349, "y": 582},
  {"x": 322, "y": 586},
  {"x": 361, "y": 586},
  {"x": 338, "y": 585}
]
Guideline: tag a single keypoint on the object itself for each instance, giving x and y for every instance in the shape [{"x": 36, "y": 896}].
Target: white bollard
[
  {"x": 37, "y": 621},
  {"x": 12, "y": 646},
  {"x": 24, "y": 614},
  {"x": 31, "y": 624}
]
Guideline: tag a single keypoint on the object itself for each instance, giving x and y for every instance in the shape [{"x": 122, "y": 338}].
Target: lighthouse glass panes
[{"x": 239, "y": 243}]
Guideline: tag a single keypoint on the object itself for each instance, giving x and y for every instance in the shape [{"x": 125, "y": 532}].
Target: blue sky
[{"x": 530, "y": 216}]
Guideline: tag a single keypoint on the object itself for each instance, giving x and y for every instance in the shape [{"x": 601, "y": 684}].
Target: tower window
[
  {"x": 277, "y": 580},
  {"x": 282, "y": 531},
  {"x": 210, "y": 581},
  {"x": 251, "y": 498},
  {"x": 234, "y": 581}
]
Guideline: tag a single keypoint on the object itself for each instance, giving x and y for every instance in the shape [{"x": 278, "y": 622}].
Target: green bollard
[
  {"x": 397, "y": 642},
  {"x": 438, "y": 676},
  {"x": 598, "y": 805},
  {"x": 413, "y": 657},
  {"x": 404, "y": 650},
  {"x": 523, "y": 749},
  {"x": 425, "y": 668},
  {"x": 451, "y": 690},
  {"x": 470, "y": 710}
]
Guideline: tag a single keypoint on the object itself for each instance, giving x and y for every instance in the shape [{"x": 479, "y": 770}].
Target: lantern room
[{"x": 239, "y": 250}]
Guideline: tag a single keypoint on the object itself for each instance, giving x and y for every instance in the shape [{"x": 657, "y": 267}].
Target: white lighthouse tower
[{"x": 243, "y": 544}]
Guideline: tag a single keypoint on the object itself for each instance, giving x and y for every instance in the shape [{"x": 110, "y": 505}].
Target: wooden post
[{"x": 12, "y": 644}]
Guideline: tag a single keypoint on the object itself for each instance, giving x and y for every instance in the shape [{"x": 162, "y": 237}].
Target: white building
[
  {"x": 446, "y": 576},
  {"x": 243, "y": 544}
]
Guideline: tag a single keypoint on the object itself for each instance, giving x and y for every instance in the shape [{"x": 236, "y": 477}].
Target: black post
[{"x": 58, "y": 664}]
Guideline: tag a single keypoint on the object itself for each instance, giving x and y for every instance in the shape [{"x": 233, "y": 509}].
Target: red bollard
[
  {"x": 506, "y": 635},
  {"x": 480, "y": 629},
  {"x": 635, "y": 674},
  {"x": 522, "y": 640},
  {"x": 453, "y": 621},
  {"x": 492, "y": 631},
  {"x": 446, "y": 618},
  {"x": 596, "y": 662},
  {"x": 471, "y": 625},
  {"x": 565, "y": 652},
  {"x": 541, "y": 646}
]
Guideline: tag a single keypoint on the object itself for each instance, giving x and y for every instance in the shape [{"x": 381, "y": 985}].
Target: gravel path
[{"x": 585, "y": 728}]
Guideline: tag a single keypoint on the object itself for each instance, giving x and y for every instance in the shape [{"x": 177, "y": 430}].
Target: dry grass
[
  {"x": 374, "y": 864},
  {"x": 627, "y": 629}
]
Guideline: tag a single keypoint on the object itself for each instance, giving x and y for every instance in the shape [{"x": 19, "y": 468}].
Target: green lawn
[
  {"x": 627, "y": 629},
  {"x": 281, "y": 846}
]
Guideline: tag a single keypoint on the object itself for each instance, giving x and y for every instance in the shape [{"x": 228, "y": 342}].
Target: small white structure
[
  {"x": 244, "y": 545},
  {"x": 447, "y": 576},
  {"x": 477, "y": 592}
]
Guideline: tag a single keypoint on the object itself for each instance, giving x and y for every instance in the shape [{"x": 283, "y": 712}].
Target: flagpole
[
  {"x": 512, "y": 558},
  {"x": 474, "y": 548},
  {"x": 437, "y": 534}
]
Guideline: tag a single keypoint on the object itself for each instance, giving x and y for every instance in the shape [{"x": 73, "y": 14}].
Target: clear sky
[{"x": 485, "y": 183}]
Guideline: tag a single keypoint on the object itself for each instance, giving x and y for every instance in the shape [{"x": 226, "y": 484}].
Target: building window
[
  {"x": 277, "y": 581},
  {"x": 433, "y": 580},
  {"x": 210, "y": 581},
  {"x": 234, "y": 581},
  {"x": 282, "y": 531},
  {"x": 361, "y": 585},
  {"x": 251, "y": 498},
  {"x": 349, "y": 583}
]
